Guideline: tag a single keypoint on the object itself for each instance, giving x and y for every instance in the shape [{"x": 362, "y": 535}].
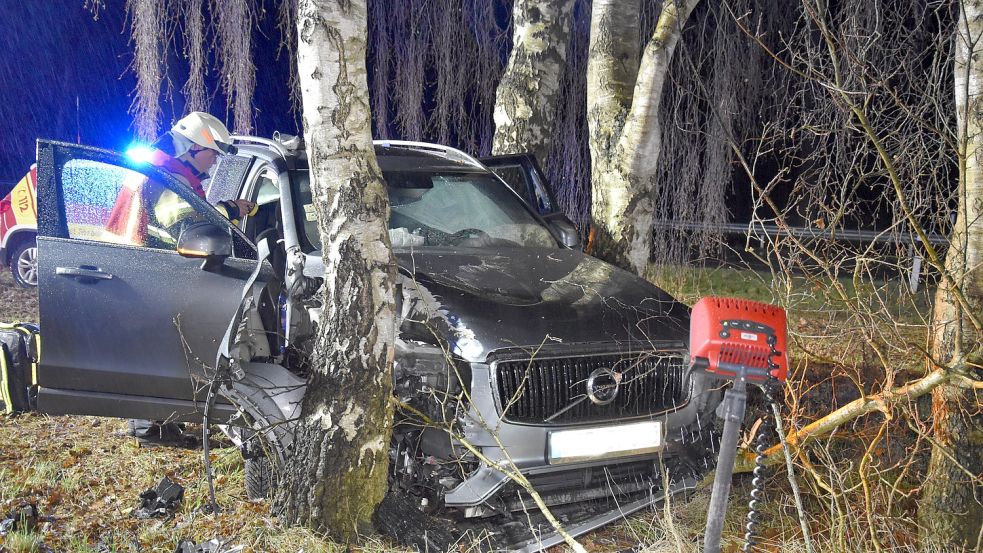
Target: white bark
[
  {"x": 624, "y": 126},
  {"x": 642, "y": 132},
  {"x": 338, "y": 472},
  {"x": 525, "y": 104},
  {"x": 951, "y": 510}
]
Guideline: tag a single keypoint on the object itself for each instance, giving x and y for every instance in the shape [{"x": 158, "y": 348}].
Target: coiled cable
[{"x": 761, "y": 443}]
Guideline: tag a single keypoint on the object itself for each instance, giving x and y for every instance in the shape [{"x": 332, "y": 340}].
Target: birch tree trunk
[
  {"x": 623, "y": 97},
  {"x": 525, "y": 103},
  {"x": 337, "y": 473},
  {"x": 951, "y": 510}
]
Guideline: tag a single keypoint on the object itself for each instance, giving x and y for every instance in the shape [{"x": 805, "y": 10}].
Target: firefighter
[{"x": 188, "y": 152}]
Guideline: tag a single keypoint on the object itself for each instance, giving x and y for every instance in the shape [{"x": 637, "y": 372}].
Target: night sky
[
  {"x": 54, "y": 52},
  {"x": 51, "y": 54}
]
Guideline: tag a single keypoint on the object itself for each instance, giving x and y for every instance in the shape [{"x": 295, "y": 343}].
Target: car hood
[{"x": 483, "y": 300}]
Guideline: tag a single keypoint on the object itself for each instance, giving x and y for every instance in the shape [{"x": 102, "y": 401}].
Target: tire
[
  {"x": 24, "y": 264},
  {"x": 259, "y": 477}
]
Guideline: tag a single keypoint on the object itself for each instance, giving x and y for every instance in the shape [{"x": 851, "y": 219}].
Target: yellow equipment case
[{"x": 20, "y": 349}]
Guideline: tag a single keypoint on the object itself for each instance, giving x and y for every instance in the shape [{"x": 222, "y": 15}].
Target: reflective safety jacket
[{"x": 129, "y": 222}]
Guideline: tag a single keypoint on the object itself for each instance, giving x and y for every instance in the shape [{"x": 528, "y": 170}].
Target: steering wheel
[{"x": 465, "y": 234}]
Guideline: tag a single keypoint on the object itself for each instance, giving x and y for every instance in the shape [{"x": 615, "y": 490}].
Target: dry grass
[{"x": 16, "y": 303}]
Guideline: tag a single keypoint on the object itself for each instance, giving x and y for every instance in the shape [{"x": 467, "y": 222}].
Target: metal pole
[{"x": 735, "y": 402}]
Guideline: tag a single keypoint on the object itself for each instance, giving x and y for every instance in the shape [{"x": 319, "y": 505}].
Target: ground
[{"x": 85, "y": 474}]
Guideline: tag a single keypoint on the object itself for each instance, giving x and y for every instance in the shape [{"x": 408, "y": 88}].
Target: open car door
[
  {"x": 522, "y": 173},
  {"x": 128, "y": 321}
]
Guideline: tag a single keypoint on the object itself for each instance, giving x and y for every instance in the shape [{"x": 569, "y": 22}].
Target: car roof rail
[
  {"x": 446, "y": 151},
  {"x": 278, "y": 147},
  {"x": 284, "y": 144}
]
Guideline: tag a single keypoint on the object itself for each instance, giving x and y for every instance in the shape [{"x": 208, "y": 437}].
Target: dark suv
[{"x": 543, "y": 359}]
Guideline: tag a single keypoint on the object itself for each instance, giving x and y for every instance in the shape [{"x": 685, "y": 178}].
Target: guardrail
[{"x": 811, "y": 233}]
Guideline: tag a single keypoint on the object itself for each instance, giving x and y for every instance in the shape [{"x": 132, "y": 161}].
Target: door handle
[{"x": 83, "y": 273}]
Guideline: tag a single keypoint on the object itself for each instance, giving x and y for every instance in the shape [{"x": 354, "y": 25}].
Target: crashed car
[{"x": 545, "y": 361}]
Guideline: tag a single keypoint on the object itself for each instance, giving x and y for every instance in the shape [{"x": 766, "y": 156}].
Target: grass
[
  {"x": 16, "y": 304},
  {"x": 85, "y": 474}
]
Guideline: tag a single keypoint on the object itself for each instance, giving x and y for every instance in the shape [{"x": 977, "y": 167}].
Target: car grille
[{"x": 554, "y": 391}]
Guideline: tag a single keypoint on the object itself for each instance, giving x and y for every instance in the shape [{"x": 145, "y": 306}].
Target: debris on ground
[
  {"x": 213, "y": 545},
  {"x": 397, "y": 517},
  {"x": 160, "y": 501},
  {"x": 23, "y": 518},
  {"x": 156, "y": 433}
]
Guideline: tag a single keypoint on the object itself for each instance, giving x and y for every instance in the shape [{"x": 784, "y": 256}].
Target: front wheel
[{"x": 24, "y": 264}]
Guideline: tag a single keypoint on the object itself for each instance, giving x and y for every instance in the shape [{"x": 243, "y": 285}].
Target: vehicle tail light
[{"x": 729, "y": 336}]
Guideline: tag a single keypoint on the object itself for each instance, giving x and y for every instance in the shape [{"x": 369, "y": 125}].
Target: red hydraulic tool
[{"x": 742, "y": 341}]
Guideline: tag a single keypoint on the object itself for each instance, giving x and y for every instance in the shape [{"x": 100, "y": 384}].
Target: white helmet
[{"x": 206, "y": 131}]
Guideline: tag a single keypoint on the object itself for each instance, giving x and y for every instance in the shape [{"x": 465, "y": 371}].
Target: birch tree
[
  {"x": 623, "y": 96},
  {"x": 952, "y": 506},
  {"x": 337, "y": 474},
  {"x": 885, "y": 138},
  {"x": 525, "y": 103}
]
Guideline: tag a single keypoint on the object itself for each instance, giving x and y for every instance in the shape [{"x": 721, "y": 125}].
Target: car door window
[
  {"x": 515, "y": 177},
  {"x": 226, "y": 178},
  {"x": 109, "y": 203}
]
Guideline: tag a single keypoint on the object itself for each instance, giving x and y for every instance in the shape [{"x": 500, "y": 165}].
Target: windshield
[{"x": 429, "y": 209}]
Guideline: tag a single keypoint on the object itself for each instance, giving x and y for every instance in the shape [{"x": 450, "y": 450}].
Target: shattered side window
[
  {"x": 227, "y": 176},
  {"x": 516, "y": 178},
  {"x": 108, "y": 203}
]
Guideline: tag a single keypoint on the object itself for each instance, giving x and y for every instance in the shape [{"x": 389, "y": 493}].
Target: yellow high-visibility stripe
[
  {"x": 5, "y": 375},
  {"x": 8, "y": 405},
  {"x": 37, "y": 360},
  {"x": 36, "y": 357}
]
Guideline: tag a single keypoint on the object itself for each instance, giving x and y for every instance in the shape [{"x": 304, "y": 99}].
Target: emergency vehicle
[{"x": 19, "y": 230}]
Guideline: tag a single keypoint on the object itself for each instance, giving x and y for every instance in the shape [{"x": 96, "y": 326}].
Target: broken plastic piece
[
  {"x": 213, "y": 545},
  {"x": 161, "y": 500},
  {"x": 155, "y": 433},
  {"x": 23, "y": 518}
]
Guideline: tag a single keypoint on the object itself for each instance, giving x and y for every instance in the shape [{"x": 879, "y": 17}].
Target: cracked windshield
[{"x": 446, "y": 210}]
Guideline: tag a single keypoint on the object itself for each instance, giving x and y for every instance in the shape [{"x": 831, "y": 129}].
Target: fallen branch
[{"x": 856, "y": 408}]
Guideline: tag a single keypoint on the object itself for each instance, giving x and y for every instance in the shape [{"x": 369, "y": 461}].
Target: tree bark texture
[
  {"x": 525, "y": 103},
  {"x": 337, "y": 473},
  {"x": 623, "y": 97},
  {"x": 951, "y": 510}
]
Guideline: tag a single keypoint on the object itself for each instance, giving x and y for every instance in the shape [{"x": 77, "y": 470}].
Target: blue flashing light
[{"x": 140, "y": 153}]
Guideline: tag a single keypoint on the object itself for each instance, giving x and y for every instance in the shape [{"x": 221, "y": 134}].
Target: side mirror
[
  {"x": 564, "y": 228},
  {"x": 205, "y": 241}
]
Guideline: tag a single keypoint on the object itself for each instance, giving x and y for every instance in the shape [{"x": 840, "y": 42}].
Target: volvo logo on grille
[{"x": 602, "y": 386}]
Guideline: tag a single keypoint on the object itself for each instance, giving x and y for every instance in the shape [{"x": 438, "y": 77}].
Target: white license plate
[{"x": 585, "y": 444}]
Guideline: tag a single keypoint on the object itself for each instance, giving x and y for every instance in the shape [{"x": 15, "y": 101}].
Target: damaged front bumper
[{"x": 584, "y": 492}]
